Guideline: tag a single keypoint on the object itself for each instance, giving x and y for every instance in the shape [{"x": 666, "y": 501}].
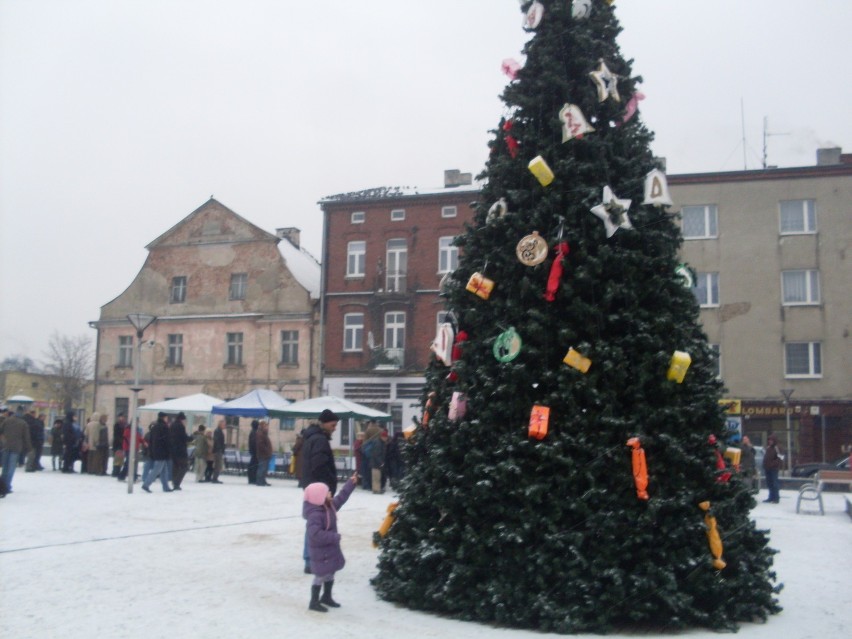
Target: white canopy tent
[{"x": 191, "y": 404}]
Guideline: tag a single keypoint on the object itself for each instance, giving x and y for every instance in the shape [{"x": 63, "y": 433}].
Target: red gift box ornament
[{"x": 539, "y": 421}]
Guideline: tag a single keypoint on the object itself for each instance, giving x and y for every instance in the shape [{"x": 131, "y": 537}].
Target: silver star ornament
[{"x": 613, "y": 212}]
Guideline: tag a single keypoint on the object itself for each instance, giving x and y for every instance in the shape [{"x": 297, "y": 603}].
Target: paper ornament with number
[
  {"x": 497, "y": 210},
  {"x": 575, "y": 360},
  {"x": 533, "y": 16},
  {"x": 532, "y": 249},
  {"x": 581, "y": 9},
  {"x": 677, "y": 367},
  {"x": 540, "y": 170},
  {"x": 539, "y": 421},
  {"x": 657, "y": 189},
  {"x": 480, "y": 285},
  {"x": 606, "y": 82},
  {"x": 574, "y": 123},
  {"x": 442, "y": 345},
  {"x": 507, "y": 346},
  {"x": 613, "y": 212}
]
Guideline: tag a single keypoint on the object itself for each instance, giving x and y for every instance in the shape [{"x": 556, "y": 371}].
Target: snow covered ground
[{"x": 79, "y": 556}]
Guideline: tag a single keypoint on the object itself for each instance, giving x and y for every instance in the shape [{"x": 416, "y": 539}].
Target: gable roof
[{"x": 303, "y": 266}]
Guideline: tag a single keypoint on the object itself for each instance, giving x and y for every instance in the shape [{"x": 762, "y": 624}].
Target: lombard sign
[{"x": 769, "y": 410}]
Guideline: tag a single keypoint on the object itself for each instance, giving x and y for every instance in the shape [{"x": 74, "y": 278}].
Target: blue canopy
[{"x": 256, "y": 403}]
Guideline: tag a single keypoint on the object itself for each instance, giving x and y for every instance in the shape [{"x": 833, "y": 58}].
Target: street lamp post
[
  {"x": 140, "y": 322},
  {"x": 787, "y": 393}
]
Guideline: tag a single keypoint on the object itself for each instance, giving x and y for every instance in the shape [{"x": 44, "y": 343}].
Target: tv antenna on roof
[{"x": 767, "y": 134}]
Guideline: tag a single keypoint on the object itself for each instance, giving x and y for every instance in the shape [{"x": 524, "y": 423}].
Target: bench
[{"x": 813, "y": 491}]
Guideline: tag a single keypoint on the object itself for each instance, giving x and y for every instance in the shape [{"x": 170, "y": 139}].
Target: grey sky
[{"x": 118, "y": 118}]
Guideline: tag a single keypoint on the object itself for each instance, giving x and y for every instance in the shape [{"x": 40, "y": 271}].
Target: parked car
[{"x": 809, "y": 470}]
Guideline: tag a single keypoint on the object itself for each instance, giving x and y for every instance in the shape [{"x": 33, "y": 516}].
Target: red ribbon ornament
[
  {"x": 511, "y": 142},
  {"x": 556, "y": 271}
]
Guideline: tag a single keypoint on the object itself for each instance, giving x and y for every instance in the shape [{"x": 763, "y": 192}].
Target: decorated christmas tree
[{"x": 567, "y": 474}]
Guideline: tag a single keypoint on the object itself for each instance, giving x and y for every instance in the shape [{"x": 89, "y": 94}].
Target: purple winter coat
[{"x": 323, "y": 538}]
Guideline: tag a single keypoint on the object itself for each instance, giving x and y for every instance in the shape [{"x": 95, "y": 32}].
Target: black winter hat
[{"x": 327, "y": 416}]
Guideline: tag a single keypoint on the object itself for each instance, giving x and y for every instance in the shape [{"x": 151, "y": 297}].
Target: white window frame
[
  {"x": 175, "y": 342},
  {"x": 394, "y": 330},
  {"x": 448, "y": 255},
  {"x": 234, "y": 349},
  {"x": 806, "y": 215},
  {"x": 790, "y": 287},
  {"x": 353, "y": 332},
  {"x": 238, "y": 286},
  {"x": 449, "y": 211},
  {"x": 814, "y": 356},
  {"x": 709, "y": 283},
  {"x": 397, "y": 215},
  {"x": 177, "y": 295},
  {"x": 356, "y": 258},
  {"x": 357, "y": 217},
  {"x": 710, "y": 225},
  {"x": 397, "y": 265},
  {"x": 289, "y": 347},
  {"x": 125, "y": 351}
]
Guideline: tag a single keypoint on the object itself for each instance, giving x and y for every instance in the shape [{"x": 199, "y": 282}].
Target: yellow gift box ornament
[
  {"x": 677, "y": 368},
  {"x": 541, "y": 171},
  {"x": 386, "y": 524},
  {"x": 578, "y": 361},
  {"x": 480, "y": 285}
]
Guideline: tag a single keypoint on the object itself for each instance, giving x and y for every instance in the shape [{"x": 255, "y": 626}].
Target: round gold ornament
[{"x": 532, "y": 249}]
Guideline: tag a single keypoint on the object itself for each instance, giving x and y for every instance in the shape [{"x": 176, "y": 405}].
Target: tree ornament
[
  {"x": 442, "y": 345},
  {"x": 539, "y": 420},
  {"x": 657, "y": 189},
  {"x": 581, "y": 9},
  {"x": 497, "y": 210},
  {"x": 556, "y": 269},
  {"x": 575, "y": 360},
  {"x": 460, "y": 339},
  {"x": 677, "y": 368},
  {"x": 458, "y": 406},
  {"x": 511, "y": 142},
  {"x": 613, "y": 212},
  {"x": 713, "y": 537},
  {"x": 722, "y": 477},
  {"x": 606, "y": 82},
  {"x": 533, "y": 17},
  {"x": 429, "y": 409},
  {"x": 574, "y": 123},
  {"x": 632, "y": 106},
  {"x": 540, "y": 170},
  {"x": 507, "y": 346},
  {"x": 511, "y": 67},
  {"x": 532, "y": 249},
  {"x": 683, "y": 274},
  {"x": 480, "y": 285},
  {"x": 408, "y": 431},
  {"x": 386, "y": 524},
  {"x": 640, "y": 468}
]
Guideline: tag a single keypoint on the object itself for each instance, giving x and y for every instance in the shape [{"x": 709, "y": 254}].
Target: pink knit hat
[{"x": 316, "y": 493}]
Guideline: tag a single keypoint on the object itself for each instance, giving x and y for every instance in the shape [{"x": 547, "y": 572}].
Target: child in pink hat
[{"x": 320, "y": 513}]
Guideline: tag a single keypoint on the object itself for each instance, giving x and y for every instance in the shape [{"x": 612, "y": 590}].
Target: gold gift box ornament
[
  {"x": 575, "y": 360},
  {"x": 541, "y": 171},
  {"x": 677, "y": 368},
  {"x": 480, "y": 285}
]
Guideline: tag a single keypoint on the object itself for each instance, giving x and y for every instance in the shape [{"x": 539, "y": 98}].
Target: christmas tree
[{"x": 554, "y": 383}]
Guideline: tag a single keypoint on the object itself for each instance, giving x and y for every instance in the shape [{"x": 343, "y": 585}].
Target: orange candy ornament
[{"x": 640, "y": 468}]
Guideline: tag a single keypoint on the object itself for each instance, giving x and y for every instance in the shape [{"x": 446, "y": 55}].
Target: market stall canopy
[
  {"x": 198, "y": 403},
  {"x": 20, "y": 399},
  {"x": 256, "y": 403},
  {"x": 343, "y": 408}
]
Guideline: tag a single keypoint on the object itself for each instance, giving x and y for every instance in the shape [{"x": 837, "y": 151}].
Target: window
[
  {"x": 700, "y": 222},
  {"x": 800, "y": 287},
  {"x": 448, "y": 255},
  {"x": 707, "y": 289},
  {"x": 397, "y": 215},
  {"x": 178, "y": 292},
  {"x": 798, "y": 216},
  {"x": 395, "y": 330},
  {"x": 125, "y": 350},
  {"x": 397, "y": 261},
  {"x": 289, "y": 347},
  {"x": 717, "y": 360},
  {"x": 287, "y": 423},
  {"x": 175, "y": 350},
  {"x": 234, "y": 343},
  {"x": 237, "y": 290},
  {"x": 357, "y": 217},
  {"x": 122, "y": 405},
  {"x": 449, "y": 211},
  {"x": 355, "y": 258},
  {"x": 353, "y": 332},
  {"x": 803, "y": 359}
]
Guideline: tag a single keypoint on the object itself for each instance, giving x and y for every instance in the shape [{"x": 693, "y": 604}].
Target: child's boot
[
  {"x": 315, "y": 604},
  {"x": 326, "y": 595}
]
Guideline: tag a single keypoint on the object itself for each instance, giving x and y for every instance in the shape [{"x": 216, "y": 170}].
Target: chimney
[
  {"x": 454, "y": 177},
  {"x": 290, "y": 233},
  {"x": 827, "y": 157}
]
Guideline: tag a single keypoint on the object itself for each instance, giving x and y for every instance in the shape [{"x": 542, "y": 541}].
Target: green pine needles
[{"x": 499, "y": 527}]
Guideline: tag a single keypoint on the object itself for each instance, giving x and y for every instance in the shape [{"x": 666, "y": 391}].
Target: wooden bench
[{"x": 813, "y": 491}]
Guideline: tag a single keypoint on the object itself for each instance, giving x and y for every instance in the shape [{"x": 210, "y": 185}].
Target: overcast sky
[{"x": 118, "y": 118}]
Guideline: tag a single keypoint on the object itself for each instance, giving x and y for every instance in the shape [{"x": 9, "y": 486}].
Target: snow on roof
[
  {"x": 387, "y": 192},
  {"x": 304, "y": 266}
]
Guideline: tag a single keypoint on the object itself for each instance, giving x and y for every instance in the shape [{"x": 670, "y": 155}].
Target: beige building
[
  {"x": 771, "y": 250},
  {"x": 237, "y": 308},
  {"x": 46, "y": 393}
]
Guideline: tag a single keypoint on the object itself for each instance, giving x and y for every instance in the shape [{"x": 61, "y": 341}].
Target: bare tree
[
  {"x": 71, "y": 360},
  {"x": 18, "y": 363}
]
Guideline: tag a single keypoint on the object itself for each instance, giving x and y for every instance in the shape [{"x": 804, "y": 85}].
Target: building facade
[
  {"x": 384, "y": 254},
  {"x": 237, "y": 308}
]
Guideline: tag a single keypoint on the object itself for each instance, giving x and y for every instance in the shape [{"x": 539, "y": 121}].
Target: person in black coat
[
  {"x": 69, "y": 440},
  {"x": 178, "y": 439},
  {"x": 252, "y": 444},
  {"x": 159, "y": 452}
]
